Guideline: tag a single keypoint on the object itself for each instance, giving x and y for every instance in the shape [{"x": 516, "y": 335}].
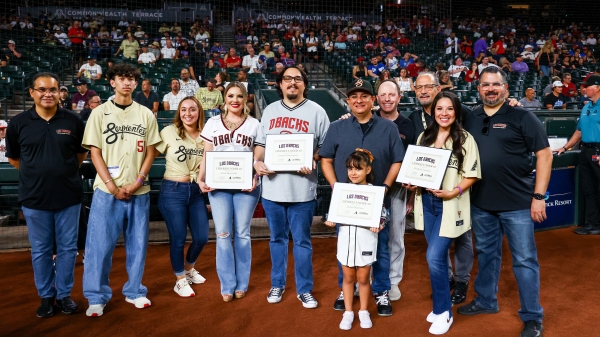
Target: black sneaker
[
  {"x": 67, "y": 305},
  {"x": 384, "y": 307},
  {"x": 339, "y": 302},
  {"x": 460, "y": 292},
  {"x": 46, "y": 309},
  {"x": 275, "y": 295},
  {"x": 587, "y": 229},
  {"x": 452, "y": 283},
  {"x": 473, "y": 309},
  {"x": 308, "y": 301},
  {"x": 532, "y": 329}
]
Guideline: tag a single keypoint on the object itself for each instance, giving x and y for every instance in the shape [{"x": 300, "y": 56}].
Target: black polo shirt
[
  {"x": 148, "y": 102},
  {"x": 406, "y": 129},
  {"x": 417, "y": 119},
  {"x": 507, "y": 182},
  {"x": 49, "y": 176}
]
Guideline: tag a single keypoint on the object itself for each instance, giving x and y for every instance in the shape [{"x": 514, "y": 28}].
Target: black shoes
[
  {"x": 452, "y": 283},
  {"x": 532, "y": 329},
  {"x": 384, "y": 307},
  {"x": 587, "y": 229},
  {"x": 339, "y": 303},
  {"x": 67, "y": 305},
  {"x": 460, "y": 292},
  {"x": 473, "y": 309},
  {"x": 46, "y": 309}
]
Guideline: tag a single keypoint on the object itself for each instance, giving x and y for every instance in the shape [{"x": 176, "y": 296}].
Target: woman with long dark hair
[{"x": 444, "y": 214}]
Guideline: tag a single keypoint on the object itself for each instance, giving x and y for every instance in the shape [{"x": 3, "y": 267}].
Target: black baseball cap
[
  {"x": 360, "y": 85},
  {"x": 592, "y": 80}
]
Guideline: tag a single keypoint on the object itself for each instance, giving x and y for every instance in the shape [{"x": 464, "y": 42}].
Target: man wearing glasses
[
  {"x": 288, "y": 198},
  {"x": 509, "y": 199},
  {"x": 92, "y": 103},
  {"x": 44, "y": 144}
]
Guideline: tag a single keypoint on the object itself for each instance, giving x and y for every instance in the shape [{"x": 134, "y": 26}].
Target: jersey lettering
[
  {"x": 114, "y": 130},
  {"x": 184, "y": 153},
  {"x": 230, "y": 138},
  {"x": 289, "y": 123}
]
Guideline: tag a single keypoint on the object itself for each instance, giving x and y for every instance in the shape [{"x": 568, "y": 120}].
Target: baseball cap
[
  {"x": 3, "y": 124},
  {"x": 11, "y": 42},
  {"x": 360, "y": 85},
  {"x": 262, "y": 57},
  {"x": 557, "y": 84},
  {"x": 528, "y": 46},
  {"x": 80, "y": 82},
  {"x": 360, "y": 59},
  {"x": 62, "y": 87},
  {"x": 267, "y": 44},
  {"x": 592, "y": 80},
  {"x": 91, "y": 57},
  {"x": 156, "y": 44}
]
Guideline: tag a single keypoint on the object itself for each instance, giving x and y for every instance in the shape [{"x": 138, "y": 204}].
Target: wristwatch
[{"x": 538, "y": 196}]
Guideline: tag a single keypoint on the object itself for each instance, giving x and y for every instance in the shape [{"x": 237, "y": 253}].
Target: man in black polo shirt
[
  {"x": 198, "y": 62},
  {"x": 148, "y": 97},
  {"x": 44, "y": 144},
  {"x": 508, "y": 199},
  {"x": 380, "y": 136}
]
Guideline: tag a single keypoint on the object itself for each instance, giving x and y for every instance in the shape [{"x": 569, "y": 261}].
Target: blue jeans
[
  {"x": 182, "y": 205},
  {"x": 437, "y": 254},
  {"x": 545, "y": 70},
  {"x": 297, "y": 217},
  {"x": 232, "y": 212},
  {"x": 489, "y": 228},
  {"x": 109, "y": 218},
  {"x": 381, "y": 267},
  {"x": 44, "y": 228}
]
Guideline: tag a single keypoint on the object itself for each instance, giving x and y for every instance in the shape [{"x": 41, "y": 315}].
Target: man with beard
[
  {"x": 378, "y": 135},
  {"x": 288, "y": 198},
  {"x": 148, "y": 97},
  {"x": 187, "y": 85},
  {"x": 172, "y": 99},
  {"x": 509, "y": 199},
  {"x": 427, "y": 86}
]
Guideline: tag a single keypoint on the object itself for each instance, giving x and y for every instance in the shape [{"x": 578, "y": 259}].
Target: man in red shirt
[
  {"x": 232, "y": 60},
  {"x": 498, "y": 49},
  {"x": 569, "y": 88},
  {"x": 415, "y": 68},
  {"x": 77, "y": 35}
]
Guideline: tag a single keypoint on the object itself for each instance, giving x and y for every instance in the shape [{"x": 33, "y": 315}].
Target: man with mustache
[
  {"x": 509, "y": 198},
  {"x": 288, "y": 198}
]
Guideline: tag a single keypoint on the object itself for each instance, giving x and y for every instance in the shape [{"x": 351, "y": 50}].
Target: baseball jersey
[
  {"x": 182, "y": 155},
  {"x": 147, "y": 57},
  {"x": 189, "y": 88},
  {"x": 278, "y": 118},
  {"x": 123, "y": 136},
  {"x": 222, "y": 139},
  {"x": 209, "y": 99},
  {"x": 174, "y": 99}
]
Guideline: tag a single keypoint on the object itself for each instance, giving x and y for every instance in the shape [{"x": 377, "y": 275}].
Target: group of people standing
[{"x": 488, "y": 187}]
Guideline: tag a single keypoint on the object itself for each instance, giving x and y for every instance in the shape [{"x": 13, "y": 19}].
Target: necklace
[{"x": 232, "y": 126}]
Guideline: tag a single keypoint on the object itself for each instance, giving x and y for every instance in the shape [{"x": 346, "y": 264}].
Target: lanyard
[{"x": 423, "y": 119}]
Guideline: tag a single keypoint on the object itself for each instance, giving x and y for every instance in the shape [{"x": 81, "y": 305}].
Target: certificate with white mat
[
  {"x": 358, "y": 205},
  {"x": 424, "y": 166},
  {"x": 289, "y": 152},
  {"x": 229, "y": 169}
]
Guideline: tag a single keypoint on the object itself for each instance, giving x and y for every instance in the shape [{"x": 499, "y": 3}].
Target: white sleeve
[{"x": 207, "y": 131}]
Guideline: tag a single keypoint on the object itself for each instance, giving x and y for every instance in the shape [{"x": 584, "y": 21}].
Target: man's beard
[
  {"x": 291, "y": 96},
  {"x": 492, "y": 102}
]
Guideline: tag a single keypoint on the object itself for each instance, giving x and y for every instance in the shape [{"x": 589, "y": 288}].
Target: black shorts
[{"x": 312, "y": 54}]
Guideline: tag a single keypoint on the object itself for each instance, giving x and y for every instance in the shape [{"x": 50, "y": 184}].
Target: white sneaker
[
  {"x": 365, "y": 319},
  {"x": 394, "y": 293},
  {"x": 347, "y": 319},
  {"x": 183, "y": 289},
  {"x": 193, "y": 276},
  {"x": 140, "y": 302},
  {"x": 441, "y": 324},
  {"x": 95, "y": 310},
  {"x": 431, "y": 317}
]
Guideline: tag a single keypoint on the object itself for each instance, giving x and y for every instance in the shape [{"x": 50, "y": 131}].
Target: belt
[{"x": 590, "y": 145}]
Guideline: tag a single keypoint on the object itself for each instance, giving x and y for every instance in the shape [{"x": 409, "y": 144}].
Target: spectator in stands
[
  {"x": 176, "y": 28},
  {"x": 267, "y": 51},
  {"x": 327, "y": 47},
  {"x": 183, "y": 51},
  {"x": 155, "y": 49},
  {"x": 385, "y": 75},
  {"x": 466, "y": 46},
  {"x": 130, "y": 48},
  {"x": 146, "y": 57},
  {"x": 216, "y": 61},
  {"x": 90, "y": 70},
  {"x": 92, "y": 103},
  {"x": 202, "y": 35},
  {"x": 221, "y": 78},
  {"x": 407, "y": 59},
  {"x": 11, "y": 56},
  {"x": 528, "y": 53},
  {"x": 529, "y": 102},
  {"x": 50, "y": 189},
  {"x": 147, "y": 97},
  {"x": 452, "y": 44},
  {"x": 163, "y": 28},
  {"x": 391, "y": 63},
  {"x": 186, "y": 84},
  {"x": 405, "y": 83},
  {"x": 217, "y": 47},
  {"x": 123, "y": 23},
  {"x": 497, "y": 49},
  {"x": 375, "y": 68},
  {"x": 505, "y": 65},
  {"x": 168, "y": 52},
  {"x": 415, "y": 68},
  {"x": 198, "y": 62},
  {"x": 473, "y": 73},
  {"x": 62, "y": 37},
  {"x": 77, "y": 36},
  {"x": 457, "y": 69},
  {"x": 232, "y": 60},
  {"x": 556, "y": 99},
  {"x": 519, "y": 66},
  {"x": 359, "y": 70},
  {"x": 250, "y": 61},
  {"x": 172, "y": 99},
  {"x": 252, "y": 39},
  {"x": 242, "y": 77},
  {"x": 163, "y": 40},
  {"x": 261, "y": 64},
  {"x": 210, "y": 98},
  {"x": 65, "y": 100},
  {"x": 3, "y": 126},
  {"x": 445, "y": 81},
  {"x": 485, "y": 62},
  {"x": 312, "y": 44},
  {"x": 480, "y": 46},
  {"x": 80, "y": 98},
  {"x": 546, "y": 59},
  {"x": 591, "y": 40},
  {"x": 569, "y": 89}
]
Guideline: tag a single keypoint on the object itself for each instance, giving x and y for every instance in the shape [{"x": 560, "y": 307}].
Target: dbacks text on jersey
[
  {"x": 289, "y": 123},
  {"x": 229, "y": 138}
]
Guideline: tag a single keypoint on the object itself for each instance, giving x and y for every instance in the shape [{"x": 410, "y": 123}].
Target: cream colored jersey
[
  {"x": 123, "y": 137},
  {"x": 183, "y": 155}
]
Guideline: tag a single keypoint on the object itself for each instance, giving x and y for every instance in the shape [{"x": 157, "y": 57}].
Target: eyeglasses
[
  {"x": 43, "y": 91},
  {"x": 296, "y": 79},
  {"x": 427, "y": 87},
  {"x": 486, "y": 126},
  {"x": 96, "y": 102},
  {"x": 488, "y": 86}
]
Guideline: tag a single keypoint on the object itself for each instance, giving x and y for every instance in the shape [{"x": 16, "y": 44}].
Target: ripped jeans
[{"x": 232, "y": 213}]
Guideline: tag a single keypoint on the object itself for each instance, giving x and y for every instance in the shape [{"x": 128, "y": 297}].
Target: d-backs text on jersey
[
  {"x": 231, "y": 137},
  {"x": 289, "y": 123}
]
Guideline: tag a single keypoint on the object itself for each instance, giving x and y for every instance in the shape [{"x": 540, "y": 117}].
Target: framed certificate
[
  {"x": 424, "y": 166},
  {"x": 289, "y": 152},
  {"x": 229, "y": 170},
  {"x": 557, "y": 143},
  {"x": 358, "y": 205}
]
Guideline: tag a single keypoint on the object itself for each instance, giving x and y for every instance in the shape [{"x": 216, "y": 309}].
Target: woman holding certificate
[
  {"x": 444, "y": 214},
  {"x": 181, "y": 202},
  {"x": 232, "y": 131}
]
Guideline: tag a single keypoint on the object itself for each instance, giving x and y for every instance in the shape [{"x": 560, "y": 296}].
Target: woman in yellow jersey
[{"x": 180, "y": 201}]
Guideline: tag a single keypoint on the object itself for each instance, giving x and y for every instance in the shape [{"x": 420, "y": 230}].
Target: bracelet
[
  {"x": 256, "y": 176},
  {"x": 256, "y": 161},
  {"x": 143, "y": 175},
  {"x": 386, "y": 186},
  {"x": 108, "y": 181},
  {"x": 460, "y": 190},
  {"x": 140, "y": 181},
  {"x": 564, "y": 148},
  {"x": 117, "y": 191}
]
